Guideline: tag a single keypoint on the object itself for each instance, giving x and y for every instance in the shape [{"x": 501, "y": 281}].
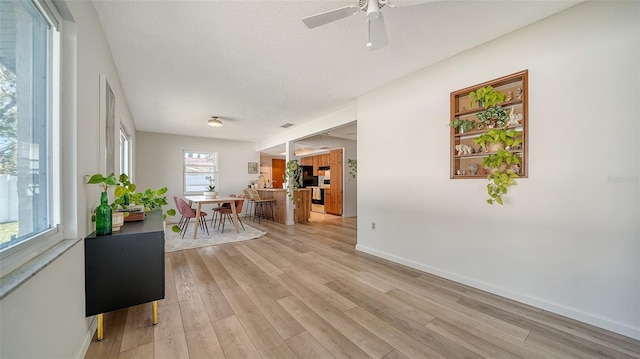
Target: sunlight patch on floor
[{"x": 315, "y": 216}]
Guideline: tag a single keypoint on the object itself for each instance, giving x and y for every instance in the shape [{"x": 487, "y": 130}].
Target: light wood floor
[{"x": 304, "y": 292}]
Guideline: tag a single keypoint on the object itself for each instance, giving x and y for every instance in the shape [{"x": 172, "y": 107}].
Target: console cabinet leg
[
  {"x": 154, "y": 310},
  {"x": 100, "y": 326}
]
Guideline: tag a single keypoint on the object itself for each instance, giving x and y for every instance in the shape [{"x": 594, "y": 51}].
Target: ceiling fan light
[{"x": 214, "y": 122}]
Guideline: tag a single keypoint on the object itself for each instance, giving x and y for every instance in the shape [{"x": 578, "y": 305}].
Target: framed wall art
[
  {"x": 107, "y": 127},
  {"x": 253, "y": 168}
]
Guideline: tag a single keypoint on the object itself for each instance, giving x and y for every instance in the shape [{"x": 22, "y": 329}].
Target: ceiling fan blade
[
  {"x": 377, "y": 34},
  {"x": 329, "y": 16},
  {"x": 403, "y": 3}
]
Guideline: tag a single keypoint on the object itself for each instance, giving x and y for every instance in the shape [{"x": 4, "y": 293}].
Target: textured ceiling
[{"x": 256, "y": 66}]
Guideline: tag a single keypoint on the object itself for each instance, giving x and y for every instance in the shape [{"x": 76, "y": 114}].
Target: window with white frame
[
  {"x": 124, "y": 153},
  {"x": 29, "y": 148},
  {"x": 197, "y": 167}
]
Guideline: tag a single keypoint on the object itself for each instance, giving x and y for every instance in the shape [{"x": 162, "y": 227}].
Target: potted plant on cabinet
[
  {"x": 123, "y": 192},
  {"x": 134, "y": 204},
  {"x": 462, "y": 125},
  {"x": 103, "y": 215},
  {"x": 486, "y": 97},
  {"x": 503, "y": 165},
  {"x": 127, "y": 198}
]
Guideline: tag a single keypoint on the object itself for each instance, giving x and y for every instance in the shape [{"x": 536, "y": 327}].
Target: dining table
[{"x": 200, "y": 200}]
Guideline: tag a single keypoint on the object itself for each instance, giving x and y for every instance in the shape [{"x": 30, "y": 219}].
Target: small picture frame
[{"x": 253, "y": 168}]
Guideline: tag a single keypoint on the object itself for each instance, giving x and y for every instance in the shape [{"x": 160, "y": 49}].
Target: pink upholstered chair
[
  {"x": 226, "y": 213},
  {"x": 218, "y": 209},
  {"x": 187, "y": 213}
]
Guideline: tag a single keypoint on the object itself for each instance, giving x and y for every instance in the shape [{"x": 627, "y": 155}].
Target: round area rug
[{"x": 173, "y": 241}]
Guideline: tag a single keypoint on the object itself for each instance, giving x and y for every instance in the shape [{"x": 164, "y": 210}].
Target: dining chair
[
  {"x": 218, "y": 209},
  {"x": 260, "y": 206},
  {"x": 182, "y": 218},
  {"x": 250, "y": 203},
  {"x": 226, "y": 213},
  {"x": 187, "y": 212},
  {"x": 175, "y": 199}
]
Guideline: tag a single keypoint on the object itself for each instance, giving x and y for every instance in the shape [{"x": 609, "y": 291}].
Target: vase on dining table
[{"x": 210, "y": 194}]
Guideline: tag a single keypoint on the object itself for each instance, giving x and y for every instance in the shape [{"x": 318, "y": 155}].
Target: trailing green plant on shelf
[
  {"x": 353, "y": 167},
  {"x": 493, "y": 117},
  {"x": 502, "y": 164},
  {"x": 292, "y": 177},
  {"x": 462, "y": 125},
  {"x": 486, "y": 97}
]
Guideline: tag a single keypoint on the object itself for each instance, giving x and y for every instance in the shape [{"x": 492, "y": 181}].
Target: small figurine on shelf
[
  {"x": 514, "y": 119},
  {"x": 473, "y": 169},
  {"x": 464, "y": 149},
  {"x": 519, "y": 93},
  {"x": 509, "y": 96}
]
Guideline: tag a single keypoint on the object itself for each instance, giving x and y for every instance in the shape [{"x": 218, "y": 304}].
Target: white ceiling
[
  {"x": 318, "y": 143},
  {"x": 256, "y": 66}
]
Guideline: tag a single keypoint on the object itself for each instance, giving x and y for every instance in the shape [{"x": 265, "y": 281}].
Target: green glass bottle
[{"x": 103, "y": 216}]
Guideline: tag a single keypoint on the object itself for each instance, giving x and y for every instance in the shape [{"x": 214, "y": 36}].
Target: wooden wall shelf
[{"x": 461, "y": 108}]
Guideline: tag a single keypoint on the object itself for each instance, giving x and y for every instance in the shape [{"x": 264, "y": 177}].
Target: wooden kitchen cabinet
[
  {"x": 302, "y": 200},
  {"x": 316, "y": 164},
  {"x": 325, "y": 160},
  {"x": 332, "y": 195},
  {"x": 335, "y": 194}
]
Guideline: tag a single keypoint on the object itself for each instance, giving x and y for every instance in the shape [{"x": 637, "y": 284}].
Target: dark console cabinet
[{"x": 125, "y": 268}]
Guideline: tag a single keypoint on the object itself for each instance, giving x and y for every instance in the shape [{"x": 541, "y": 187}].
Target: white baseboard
[
  {"x": 576, "y": 314},
  {"x": 87, "y": 338}
]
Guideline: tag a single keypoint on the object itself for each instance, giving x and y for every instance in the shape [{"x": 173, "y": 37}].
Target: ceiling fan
[{"x": 377, "y": 31}]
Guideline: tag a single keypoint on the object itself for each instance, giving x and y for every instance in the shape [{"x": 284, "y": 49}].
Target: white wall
[
  {"x": 568, "y": 238},
  {"x": 159, "y": 162},
  {"x": 45, "y": 317},
  {"x": 350, "y": 184}
]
